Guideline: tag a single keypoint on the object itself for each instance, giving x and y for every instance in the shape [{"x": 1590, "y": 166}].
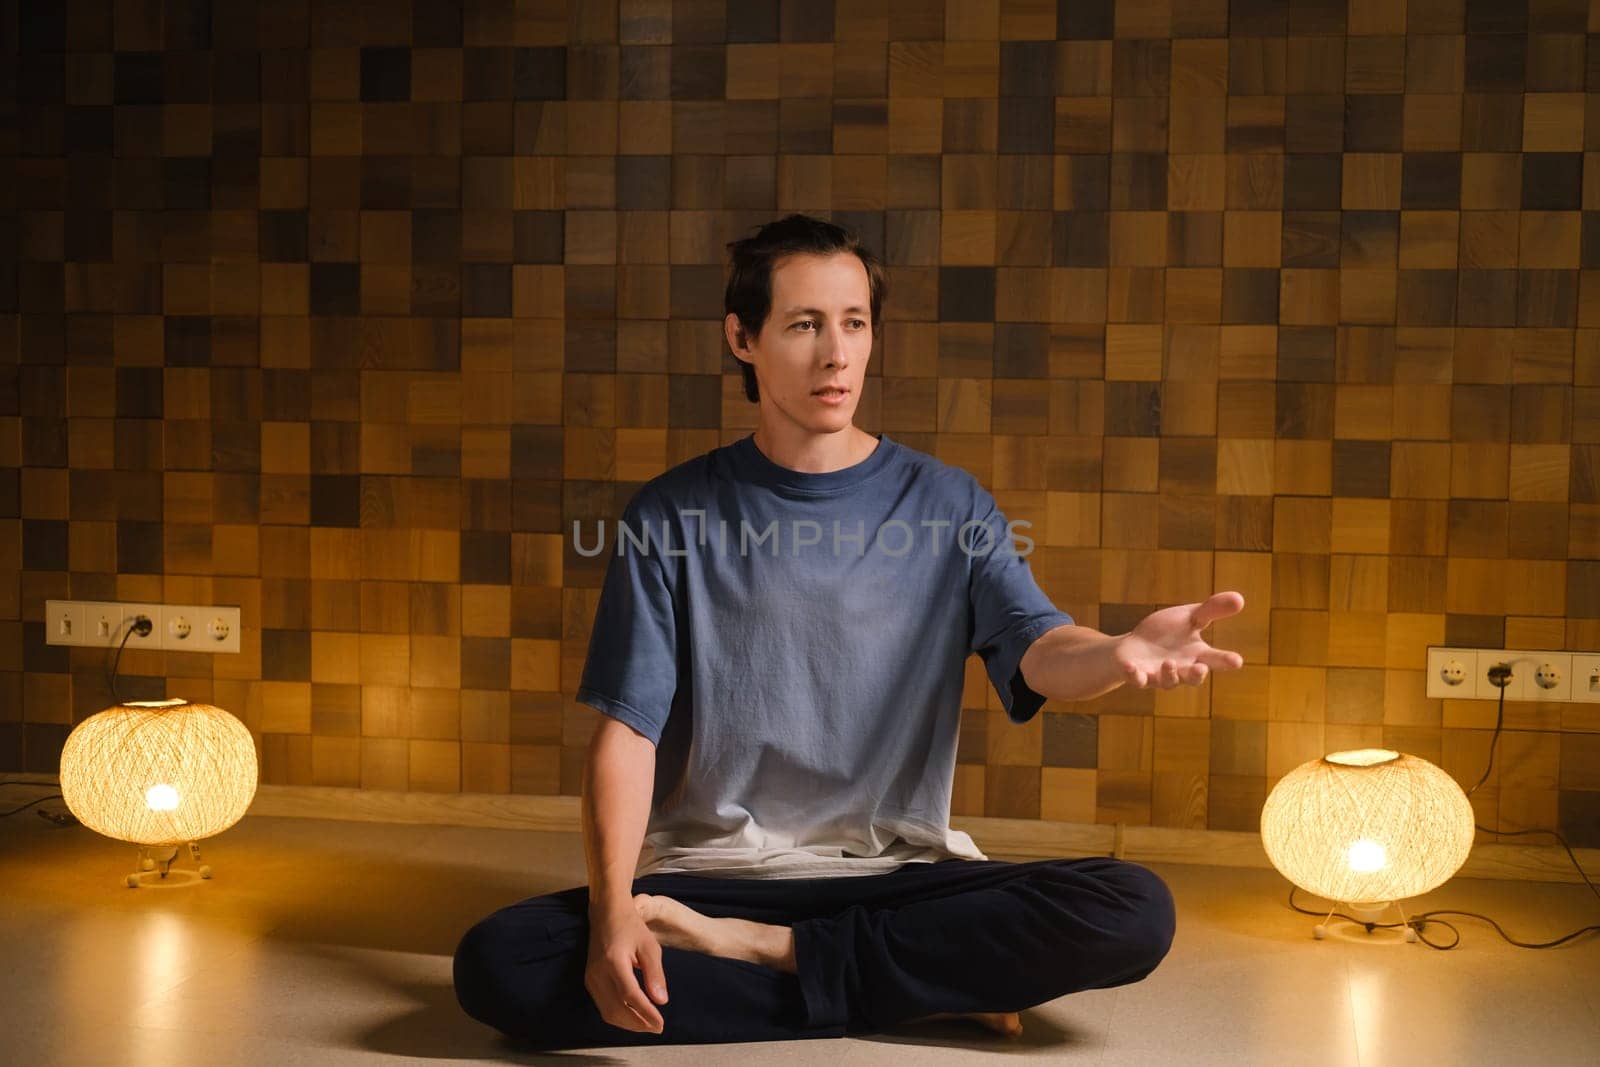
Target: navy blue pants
[{"x": 872, "y": 951}]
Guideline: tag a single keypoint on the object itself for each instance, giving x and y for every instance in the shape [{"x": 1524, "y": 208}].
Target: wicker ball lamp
[
  {"x": 1367, "y": 828},
  {"x": 159, "y": 774}
]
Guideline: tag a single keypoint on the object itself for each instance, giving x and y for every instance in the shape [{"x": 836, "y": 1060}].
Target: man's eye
[
  {"x": 805, "y": 322},
  {"x": 857, "y": 322}
]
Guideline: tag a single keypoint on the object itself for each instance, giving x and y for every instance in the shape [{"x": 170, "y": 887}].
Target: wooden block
[
  {"x": 1547, "y": 298},
  {"x": 1083, "y": 124},
  {"x": 1081, "y": 182},
  {"x": 1374, "y": 122},
  {"x": 1549, "y": 239},
  {"x": 1556, "y": 61},
  {"x": 1141, "y": 68},
  {"x": 1552, "y": 122},
  {"x": 1178, "y": 797},
  {"x": 1485, "y": 466},
  {"x": 435, "y": 714},
  {"x": 1023, "y": 238},
  {"x": 1431, "y": 122},
  {"x": 1083, "y": 68},
  {"x": 1311, "y": 239},
  {"x": 1067, "y": 794},
  {"x": 1255, "y": 182},
  {"x": 1139, "y": 124},
  {"x": 1435, "y": 63},
  {"x": 1150, "y": 577},
  {"x": 1077, "y": 409},
  {"x": 967, "y": 238},
  {"x": 1371, "y": 181},
  {"x": 1144, "y": 18},
  {"x": 1197, "y": 124},
  {"x": 1193, "y": 295},
  {"x": 1538, "y": 530},
  {"x": 1315, "y": 124},
  {"x": 1490, "y": 180},
  {"x": 1314, "y": 65},
  {"x": 1367, "y": 296},
  {"x": 1539, "y": 472},
  {"x": 1131, "y": 463},
  {"x": 1375, "y": 64},
  {"x": 1256, "y": 66},
  {"x": 1073, "y": 519},
  {"x": 1297, "y": 694},
  {"x": 1199, "y": 67},
  {"x": 1489, "y": 239},
  {"x": 1251, "y": 239},
  {"x": 1255, "y": 124},
  {"x": 964, "y": 406},
  {"x": 1188, "y": 464},
  {"x": 1541, "y": 414},
  {"x": 1247, "y": 352},
  {"x": 1196, "y": 182},
  {"x": 1138, "y": 238},
  {"x": 1126, "y": 743},
  {"x": 1300, "y": 581},
  {"x": 1428, "y": 239},
  {"x": 1487, "y": 297},
  {"x": 433, "y": 766}
]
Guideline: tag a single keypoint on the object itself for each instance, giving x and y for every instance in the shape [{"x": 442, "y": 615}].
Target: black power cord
[
  {"x": 141, "y": 626},
  {"x": 60, "y": 818},
  {"x": 1500, "y": 676}
]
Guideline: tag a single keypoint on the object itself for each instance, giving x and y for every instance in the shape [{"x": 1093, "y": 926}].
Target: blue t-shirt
[{"x": 795, "y": 645}]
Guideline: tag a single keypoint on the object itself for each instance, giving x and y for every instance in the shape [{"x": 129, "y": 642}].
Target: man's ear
[{"x": 735, "y": 334}]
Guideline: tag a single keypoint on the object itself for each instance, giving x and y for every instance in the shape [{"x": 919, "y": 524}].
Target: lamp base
[
  {"x": 159, "y": 858},
  {"x": 1368, "y": 915}
]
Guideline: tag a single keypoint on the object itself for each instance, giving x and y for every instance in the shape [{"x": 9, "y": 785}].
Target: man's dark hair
[{"x": 749, "y": 292}]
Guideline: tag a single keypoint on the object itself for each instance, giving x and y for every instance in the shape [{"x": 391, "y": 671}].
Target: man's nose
[{"x": 831, "y": 341}]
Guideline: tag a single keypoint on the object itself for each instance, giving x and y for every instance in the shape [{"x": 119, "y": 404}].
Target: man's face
[{"x": 818, "y": 334}]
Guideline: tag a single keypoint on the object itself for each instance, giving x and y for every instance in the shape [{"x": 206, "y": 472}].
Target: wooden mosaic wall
[{"x": 345, "y": 312}]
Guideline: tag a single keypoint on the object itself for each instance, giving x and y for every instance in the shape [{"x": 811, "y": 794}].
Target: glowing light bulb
[
  {"x": 161, "y": 798},
  {"x": 1367, "y": 856}
]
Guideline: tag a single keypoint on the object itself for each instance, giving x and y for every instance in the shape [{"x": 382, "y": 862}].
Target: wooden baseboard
[
  {"x": 1009, "y": 838},
  {"x": 499, "y": 811}
]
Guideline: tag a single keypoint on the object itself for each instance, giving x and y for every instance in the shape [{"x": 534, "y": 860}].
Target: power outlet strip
[
  {"x": 174, "y": 627},
  {"x": 1557, "y": 677}
]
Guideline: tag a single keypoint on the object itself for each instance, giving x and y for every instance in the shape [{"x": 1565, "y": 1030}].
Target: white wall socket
[
  {"x": 195, "y": 628},
  {"x": 1586, "y": 677},
  {"x": 1540, "y": 676},
  {"x": 63, "y": 622},
  {"x": 174, "y": 627}
]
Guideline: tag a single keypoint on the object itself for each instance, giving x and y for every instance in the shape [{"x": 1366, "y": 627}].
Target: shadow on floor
[
  {"x": 1038, "y": 1032},
  {"x": 436, "y": 1029}
]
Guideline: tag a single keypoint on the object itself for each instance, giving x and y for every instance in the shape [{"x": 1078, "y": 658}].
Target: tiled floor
[{"x": 325, "y": 942}]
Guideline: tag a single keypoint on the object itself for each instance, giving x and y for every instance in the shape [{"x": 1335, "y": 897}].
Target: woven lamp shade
[
  {"x": 1368, "y": 826},
  {"x": 160, "y": 772}
]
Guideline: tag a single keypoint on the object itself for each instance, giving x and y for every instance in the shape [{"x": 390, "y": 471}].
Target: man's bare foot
[
  {"x": 1004, "y": 1023},
  {"x": 676, "y": 925}
]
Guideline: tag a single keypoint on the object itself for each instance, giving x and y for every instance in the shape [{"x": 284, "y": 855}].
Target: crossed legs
[
  {"x": 826, "y": 957},
  {"x": 676, "y": 925}
]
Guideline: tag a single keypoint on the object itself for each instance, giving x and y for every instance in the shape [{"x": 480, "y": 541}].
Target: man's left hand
[{"x": 1166, "y": 650}]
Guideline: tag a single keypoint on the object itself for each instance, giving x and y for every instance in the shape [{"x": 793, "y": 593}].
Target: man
[{"x": 779, "y": 652}]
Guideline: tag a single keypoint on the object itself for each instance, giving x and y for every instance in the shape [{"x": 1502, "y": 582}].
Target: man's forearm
[
  {"x": 1072, "y": 663},
  {"x": 618, "y": 780}
]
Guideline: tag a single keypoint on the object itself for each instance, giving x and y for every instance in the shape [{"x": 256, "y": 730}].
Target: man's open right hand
[{"x": 619, "y": 944}]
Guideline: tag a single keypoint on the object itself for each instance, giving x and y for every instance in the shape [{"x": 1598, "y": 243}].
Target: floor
[{"x": 326, "y": 942}]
